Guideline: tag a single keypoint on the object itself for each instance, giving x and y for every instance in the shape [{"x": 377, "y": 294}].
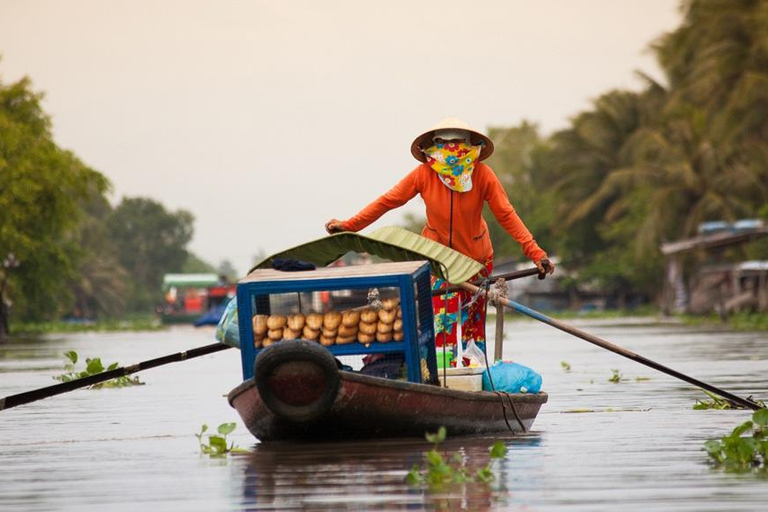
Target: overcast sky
[{"x": 266, "y": 118}]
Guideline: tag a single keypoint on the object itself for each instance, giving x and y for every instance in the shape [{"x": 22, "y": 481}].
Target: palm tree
[
  {"x": 523, "y": 178},
  {"x": 696, "y": 149},
  {"x": 718, "y": 61},
  {"x": 585, "y": 156}
]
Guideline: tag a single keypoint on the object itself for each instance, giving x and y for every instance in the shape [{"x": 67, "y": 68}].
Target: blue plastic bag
[
  {"x": 512, "y": 378},
  {"x": 228, "y": 330}
]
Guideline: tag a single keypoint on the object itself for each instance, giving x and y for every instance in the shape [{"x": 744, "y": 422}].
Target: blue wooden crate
[{"x": 411, "y": 279}]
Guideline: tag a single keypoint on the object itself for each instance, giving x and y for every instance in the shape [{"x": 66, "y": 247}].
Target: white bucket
[{"x": 463, "y": 379}]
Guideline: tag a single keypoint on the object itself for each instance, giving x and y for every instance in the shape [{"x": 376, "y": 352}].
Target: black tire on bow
[{"x": 297, "y": 380}]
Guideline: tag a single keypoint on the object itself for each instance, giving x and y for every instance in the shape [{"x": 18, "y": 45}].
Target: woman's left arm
[{"x": 505, "y": 213}]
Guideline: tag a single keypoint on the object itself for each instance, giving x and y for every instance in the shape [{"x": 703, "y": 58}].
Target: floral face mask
[{"x": 453, "y": 162}]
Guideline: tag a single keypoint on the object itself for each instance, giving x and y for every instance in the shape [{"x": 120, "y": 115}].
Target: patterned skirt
[{"x": 447, "y": 315}]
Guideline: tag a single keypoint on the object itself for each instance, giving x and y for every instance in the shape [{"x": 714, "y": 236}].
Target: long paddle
[
  {"x": 64, "y": 387},
  {"x": 618, "y": 350},
  {"x": 516, "y": 274}
]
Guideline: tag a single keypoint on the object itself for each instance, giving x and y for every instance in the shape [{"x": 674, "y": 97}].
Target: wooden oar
[
  {"x": 619, "y": 350},
  {"x": 509, "y": 276},
  {"x": 64, "y": 387}
]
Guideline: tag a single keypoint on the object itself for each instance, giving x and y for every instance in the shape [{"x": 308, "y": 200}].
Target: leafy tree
[
  {"x": 518, "y": 161},
  {"x": 696, "y": 150},
  {"x": 100, "y": 286},
  {"x": 718, "y": 60},
  {"x": 150, "y": 242},
  {"x": 42, "y": 189},
  {"x": 717, "y": 64},
  {"x": 582, "y": 158}
]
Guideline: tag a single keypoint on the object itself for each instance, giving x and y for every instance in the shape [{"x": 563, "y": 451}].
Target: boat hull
[{"x": 373, "y": 407}]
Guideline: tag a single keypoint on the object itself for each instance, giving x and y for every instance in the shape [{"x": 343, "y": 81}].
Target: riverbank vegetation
[
  {"x": 743, "y": 321},
  {"x": 65, "y": 251},
  {"x": 645, "y": 167},
  {"x": 130, "y": 322}
]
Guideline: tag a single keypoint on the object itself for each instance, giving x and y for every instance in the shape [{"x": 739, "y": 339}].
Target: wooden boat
[
  {"x": 295, "y": 390},
  {"x": 304, "y": 396}
]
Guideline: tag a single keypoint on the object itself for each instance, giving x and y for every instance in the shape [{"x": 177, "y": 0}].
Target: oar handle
[
  {"x": 64, "y": 387},
  {"x": 509, "y": 276},
  {"x": 619, "y": 350}
]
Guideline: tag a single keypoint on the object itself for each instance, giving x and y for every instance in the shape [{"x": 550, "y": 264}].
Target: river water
[{"x": 638, "y": 448}]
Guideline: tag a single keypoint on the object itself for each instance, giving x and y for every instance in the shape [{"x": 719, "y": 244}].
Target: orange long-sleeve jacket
[{"x": 455, "y": 218}]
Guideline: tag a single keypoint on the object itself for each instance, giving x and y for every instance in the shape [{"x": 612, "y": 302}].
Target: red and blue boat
[{"x": 304, "y": 389}]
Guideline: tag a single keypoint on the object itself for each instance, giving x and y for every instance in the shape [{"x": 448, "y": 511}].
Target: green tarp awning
[
  {"x": 391, "y": 243},
  {"x": 189, "y": 280}
]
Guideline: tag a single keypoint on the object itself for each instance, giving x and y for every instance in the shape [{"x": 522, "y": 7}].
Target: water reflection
[{"x": 371, "y": 475}]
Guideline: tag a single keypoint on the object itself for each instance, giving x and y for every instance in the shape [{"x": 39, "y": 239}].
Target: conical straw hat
[{"x": 424, "y": 140}]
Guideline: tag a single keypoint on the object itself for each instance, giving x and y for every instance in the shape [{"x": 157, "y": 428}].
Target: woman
[{"x": 454, "y": 184}]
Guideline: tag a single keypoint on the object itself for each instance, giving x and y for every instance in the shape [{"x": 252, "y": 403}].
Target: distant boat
[
  {"x": 190, "y": 298},
  {"x": 213, "y": 316}
]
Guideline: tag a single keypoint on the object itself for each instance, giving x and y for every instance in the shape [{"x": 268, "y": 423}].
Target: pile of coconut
[{"x": 364, "y": 325}]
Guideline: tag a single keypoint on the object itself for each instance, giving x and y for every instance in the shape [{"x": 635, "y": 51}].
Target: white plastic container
[{"x": 463, "y": 379}]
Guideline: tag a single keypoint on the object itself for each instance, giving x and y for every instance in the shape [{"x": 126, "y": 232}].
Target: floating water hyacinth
[
  {"x": 740, "y": 452},
  {"x": 441, "y": 469},
  {"x": 94, "y": 366},
  {"x": 217, "y": 443}
]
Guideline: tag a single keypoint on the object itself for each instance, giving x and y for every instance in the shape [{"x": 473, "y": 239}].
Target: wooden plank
[
  {"x": 375, "y": 269},
  {"x": 712, "y": 241},
  {"x": 735, "y": 303}
]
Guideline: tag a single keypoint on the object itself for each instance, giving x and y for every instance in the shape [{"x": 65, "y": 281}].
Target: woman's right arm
[{"x": 397, "y": 196}]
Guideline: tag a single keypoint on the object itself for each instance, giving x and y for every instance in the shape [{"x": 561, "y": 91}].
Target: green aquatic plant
[
  {"x": 745, "y": 449},
  {"x": 217, "y": 444},
  {"x": 94, "y": 366},
  {"x": 441, "y": 469},
  {"x": 565, "y": 365},
  {"x": 616, "y": 377},
  {"x": 715, "y": 402},
  {"x": 719, "y": 403}
]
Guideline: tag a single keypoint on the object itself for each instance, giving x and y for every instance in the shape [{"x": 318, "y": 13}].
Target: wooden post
[
  {"x": 668, "y": 292},
  {"x": 500, "y": 290},
  {"x": 498, "y": 351}
]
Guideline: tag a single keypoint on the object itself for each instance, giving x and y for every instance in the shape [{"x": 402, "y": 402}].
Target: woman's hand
[
  {"x": 334, "y": 226},
  {"x": 545, "y": 267}
]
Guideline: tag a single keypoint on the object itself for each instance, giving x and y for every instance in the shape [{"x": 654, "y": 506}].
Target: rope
[
  {"x": 482, "y": 288},
  {"x": 485, "y": 348},
  {"x": 504, "y": 410},
  {"x": 444, "y": 313},
  {"x": 500, "y": 394},
  {"x": 517, "y": 416}
]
